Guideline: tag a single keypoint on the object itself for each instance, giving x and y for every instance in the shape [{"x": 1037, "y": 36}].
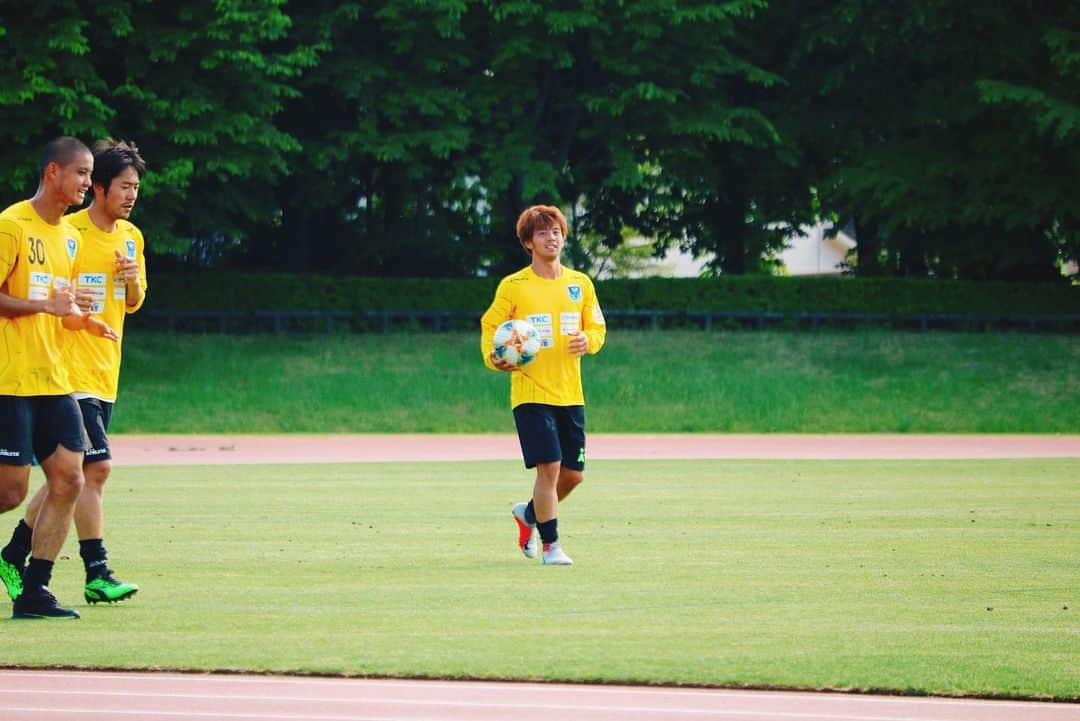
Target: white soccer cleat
[
  {"x": 526, "y": 530},
  {"x": 554, "y": 556}
]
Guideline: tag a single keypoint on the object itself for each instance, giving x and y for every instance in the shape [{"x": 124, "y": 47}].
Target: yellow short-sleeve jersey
[
  {"x": 557, "y": 308},
  {"x": 35, "y": 257},
  {"x": 94, "y": 363}
]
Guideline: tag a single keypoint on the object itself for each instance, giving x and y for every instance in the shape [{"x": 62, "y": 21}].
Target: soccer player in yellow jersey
[
  {"x": 39, "y": 416},
  {"x": 546, "y": 396},
  {"x": 112, "y": 269}
]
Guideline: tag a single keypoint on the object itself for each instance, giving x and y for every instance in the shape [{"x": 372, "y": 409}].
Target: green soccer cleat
[
  {"x": 109, "y": 590},
  {"x": 11, "y": 575}
]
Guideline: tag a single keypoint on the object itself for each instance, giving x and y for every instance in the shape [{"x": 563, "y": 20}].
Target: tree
[
  {"x": 196, "y": 84},
  {"x": 928, "y": 146}
]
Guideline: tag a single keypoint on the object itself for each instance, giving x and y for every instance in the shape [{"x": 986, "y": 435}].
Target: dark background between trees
[{"x": 402, "y": 138}]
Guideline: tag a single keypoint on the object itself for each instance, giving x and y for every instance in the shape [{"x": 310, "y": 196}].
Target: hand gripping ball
[{"x": 517, "y": 341}]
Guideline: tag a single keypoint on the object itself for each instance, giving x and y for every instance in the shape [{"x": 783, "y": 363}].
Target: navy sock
[
  {"x": 18, "y": 548},
  {"x": 93, "y": 555},
  {"x": 530, "y": 514},
  {"x": 549, "y": 531},
  {"x": 38, "y": 575}
]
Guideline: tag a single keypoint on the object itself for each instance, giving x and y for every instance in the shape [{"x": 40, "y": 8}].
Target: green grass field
[
  {"x": 672, "y": 381},
  {"x": 943, "y": 577}
]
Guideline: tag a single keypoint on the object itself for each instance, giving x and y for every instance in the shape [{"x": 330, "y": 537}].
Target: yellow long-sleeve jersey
[
  {"x": 557, "y": 308},
  {"x": 94, "y": 363},
  {"x": 35, "y": 257}
]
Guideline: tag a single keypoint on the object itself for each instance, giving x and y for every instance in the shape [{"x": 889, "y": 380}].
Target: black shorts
[
  {"x": 551, "y": 433},
  {"x": 33, "y": 426},
  {"x": 96, "y": 415}
]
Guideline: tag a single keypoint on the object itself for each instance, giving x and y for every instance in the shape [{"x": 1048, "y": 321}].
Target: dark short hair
[
  {"x": 62, "y": 151},
  {"x": 537, "y": 217},
  {"x": 112, "y": 157}
]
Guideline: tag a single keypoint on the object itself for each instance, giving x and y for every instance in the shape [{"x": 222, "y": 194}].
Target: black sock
[
  {"x": 18, "y": 548},
  {"x": 93, "y": 555},
  {"x": 38, "y": 575},
  {"x": 549, "y": 531},
  {"x": 530, "y": 514}
]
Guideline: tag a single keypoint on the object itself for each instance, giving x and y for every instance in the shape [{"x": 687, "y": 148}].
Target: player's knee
[
  {"x": 97, "y": 473},
  {"x": 11, "y": 496},
  {"x": 548, "y": 473},
  {"x": 66, "y": 484}
]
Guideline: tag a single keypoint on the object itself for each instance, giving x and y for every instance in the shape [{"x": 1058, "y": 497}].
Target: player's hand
[
  {"x": 128, "y": 268},
  {"x": 578, "y": 344},
  {"x": 84, "y": 298},
  {"x": 502, "y": 364},
  {"x": 100, "y": 329},
  {"x": 61, "y": 302}
]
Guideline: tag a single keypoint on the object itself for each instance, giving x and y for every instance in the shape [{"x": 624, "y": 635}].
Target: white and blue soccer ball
[{"x": 517, "y": 342}]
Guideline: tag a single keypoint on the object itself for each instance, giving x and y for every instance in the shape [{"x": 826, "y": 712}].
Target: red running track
[
  {"x": 79, "y": 696},
  {"x": 353, "y": 448}
]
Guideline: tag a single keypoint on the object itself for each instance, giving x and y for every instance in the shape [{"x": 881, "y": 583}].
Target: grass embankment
[{"x": 656, "y": 382}]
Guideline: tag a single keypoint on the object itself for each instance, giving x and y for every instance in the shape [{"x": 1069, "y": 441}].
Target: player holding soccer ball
[{"x": 546, "y": 395}]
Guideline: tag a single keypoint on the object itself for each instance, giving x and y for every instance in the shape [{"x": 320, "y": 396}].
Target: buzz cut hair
[
  {"x": 538, "y": 217},
  {"x": 63, "y": 151},
  {"x": 112, "y": 157}
]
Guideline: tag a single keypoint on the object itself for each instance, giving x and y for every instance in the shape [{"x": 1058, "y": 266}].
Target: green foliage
[
  {"x": 402, "y": 138},
  {"x": 197, "y": 85},
  {"x": 214, "y": 290},
  {"x": 246, "y": 291},
  {"x": 946, "y": 130}
]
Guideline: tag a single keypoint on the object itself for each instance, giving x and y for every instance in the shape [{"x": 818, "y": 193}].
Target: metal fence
[{"x": 386, "y": 321}]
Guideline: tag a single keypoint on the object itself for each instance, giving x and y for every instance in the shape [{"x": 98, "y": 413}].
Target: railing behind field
[{"x": 386, "y": 321}]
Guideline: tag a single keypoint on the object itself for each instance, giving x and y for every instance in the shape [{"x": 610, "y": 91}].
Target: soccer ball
[{"x": 517, "y": 342}]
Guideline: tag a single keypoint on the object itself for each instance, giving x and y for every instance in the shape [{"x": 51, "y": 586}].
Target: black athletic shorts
[
  {"x": 551, "y": 433},
  {"x": 96, "y": 415},
  {"x": 33, "y": 426}
]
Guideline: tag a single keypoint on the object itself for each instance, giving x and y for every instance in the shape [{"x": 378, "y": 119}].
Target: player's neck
[
  {"x": 546, "y": 269},
  {"x": 48, "y": 207},
  {"x": 102, "y": 220}
]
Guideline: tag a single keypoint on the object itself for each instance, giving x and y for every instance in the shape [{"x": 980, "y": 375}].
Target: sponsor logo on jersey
[
  {"x": 539, "y": 319},
  {"x": 96, "y": 280},
  {"x": 569, "y": 323}
]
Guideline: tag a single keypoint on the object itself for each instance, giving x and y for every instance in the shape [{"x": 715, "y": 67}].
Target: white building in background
[{"x": 821, "y": 251}]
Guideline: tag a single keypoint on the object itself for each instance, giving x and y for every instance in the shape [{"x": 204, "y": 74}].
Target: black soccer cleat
[{"x": 42, "y": 604}]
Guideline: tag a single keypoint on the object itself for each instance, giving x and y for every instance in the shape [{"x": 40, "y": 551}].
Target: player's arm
[
  {"x": 86, "y": 322},
  {"x": 59, "y": 302},
  {"x": 593, "y": 328},
  {"x": 501, "y": 310},
  {"x": 133, "y": 271}
]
